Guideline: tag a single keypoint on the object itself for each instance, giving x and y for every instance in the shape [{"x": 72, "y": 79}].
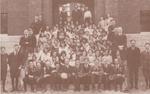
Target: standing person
[
  {"x": 37, "y": 24},
  {"x": 4, "y": 62},
  {"x": 121, "y": 38},
  {"x": 87, "y": 16},
  {"x": 133, "y": 63},
  {"x": 28, "y": 41},
  {"x": 112, "y": 39},
  {"x": 33, "y": 40},
  {"x": 111, "y": 28},
  {"x": 14, "y": 64},
  {"x": 121, "y": 44},
  {"x": 145, "y": 60},
  {"x": 24, "y": 43}
]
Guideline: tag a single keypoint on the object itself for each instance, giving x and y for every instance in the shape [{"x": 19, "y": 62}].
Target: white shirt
[
  {"x": 107, "y": 59},
  {"x": 45, "y": 57},
  {"x": 87, "y": 14}
]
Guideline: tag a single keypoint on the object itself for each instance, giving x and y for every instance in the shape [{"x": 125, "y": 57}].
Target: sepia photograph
[{"x": 75, "y": 46}]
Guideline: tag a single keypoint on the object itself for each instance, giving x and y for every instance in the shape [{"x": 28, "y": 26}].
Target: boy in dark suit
[
  {"x": 133, "y": 63},
  {"x": 119, "y": 70},
  {"x": 30, "y": 76},
  {"x": 4, "y": 62},
  {"x": 145, "y": 60},
  {"x": 14, "y": 64}
]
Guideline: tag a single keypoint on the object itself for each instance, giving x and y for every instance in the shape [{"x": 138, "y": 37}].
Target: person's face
[
  {"x": 147, "y": 46},
  {"x": 26, "y": 33},
  {"x": 30, "y": 32},
  {"x": 47, "y": 65},
  {"x": 90, "y": 51},
  {"x": 101, "y": 18},
  {"x": 3, "y": 50},
  {"x": 133, "y": 43},
  {"x": 47, "y": 28},
  {"x": 108, "y": 15},
  {"x": 36, "y": 19},
  {"x": 63, "y": 44},
  {"x": 97, "y": 53},
  {"x": 34, "y": 57},
  {"x": 84, "y": 53},
  {"x": 105, "y": 53},
  {"x": 45, "y": 50},
  {"x": 113, "y": 22},
  {"x": 77, "y": 64},
  {"x": 31, "y": 64},
  {"x": 54, "y": 54},
  {"x": 40, "y": 17},
  {"x": 86, "y": 65},
  {"x": 63, "y": 55},
  {"x": 57, "y": 66},
  {"x": 38, "y": 65},
  {"x": 120, "y": 32},
  {"x": 16, "y": 48},
  {"x": 116, "y": 61}
]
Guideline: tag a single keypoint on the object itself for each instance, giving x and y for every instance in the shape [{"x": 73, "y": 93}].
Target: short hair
[
  {"x": 2, "y": 47},
  {"x": 120, "y": 28},
  {"x": 147, "y": 43},
  {"x": 132, "y": 40},
  {"x": 25, "y": 31},
  {"x": 16, "y": 45}
]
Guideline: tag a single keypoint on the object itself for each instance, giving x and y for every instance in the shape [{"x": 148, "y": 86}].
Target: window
[
  {"x": 4, "y": 23},
  {"x": 145, "y": 20}
]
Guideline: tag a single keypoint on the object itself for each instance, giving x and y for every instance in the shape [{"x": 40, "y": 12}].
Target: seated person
[
  {"x": 33, "y": 76},
  {"x": 30, "y": 76},
  {"x": 119, "y": 70}
]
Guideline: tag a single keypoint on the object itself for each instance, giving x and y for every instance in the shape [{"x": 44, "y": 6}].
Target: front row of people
[{"x": 82, "y": 76}]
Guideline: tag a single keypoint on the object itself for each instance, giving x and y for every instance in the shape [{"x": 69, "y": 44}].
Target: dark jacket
[
  {"x": 133, "y": 57},
  {"x": 121, "y": 40},
  {"x": 14, "y": 64},
  {"x": 4, "y": 62},
  {"x": 145, "y": 60}
]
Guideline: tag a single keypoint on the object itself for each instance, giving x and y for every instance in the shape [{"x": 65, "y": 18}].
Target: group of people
[
  {"x": 75, "y": 56},
  {"x": 77, "y": 15}
]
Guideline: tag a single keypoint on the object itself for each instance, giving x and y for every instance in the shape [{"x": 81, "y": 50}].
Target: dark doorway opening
[{"x": 59, "y": 3}]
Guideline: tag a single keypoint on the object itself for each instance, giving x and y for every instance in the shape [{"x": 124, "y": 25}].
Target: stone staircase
[{"x": 9, "y": 41}]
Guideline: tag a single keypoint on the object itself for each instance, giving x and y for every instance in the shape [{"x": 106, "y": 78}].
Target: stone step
[{"x": 9, "y": 41}]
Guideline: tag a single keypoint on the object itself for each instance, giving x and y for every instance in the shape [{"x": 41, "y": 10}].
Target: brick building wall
[{"x": 21, "y": 13}]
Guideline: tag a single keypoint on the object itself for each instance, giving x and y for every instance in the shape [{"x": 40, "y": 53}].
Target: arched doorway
[{"x": 68, "y": 7}]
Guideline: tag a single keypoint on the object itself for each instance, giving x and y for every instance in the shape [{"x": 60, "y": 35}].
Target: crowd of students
[{"x": 75, "y": 56}]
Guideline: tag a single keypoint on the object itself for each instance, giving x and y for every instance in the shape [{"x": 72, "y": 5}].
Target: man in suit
[
  {"x": 27, "y": 43},
  {"x": 14, "y": 64},
  {"x": 4, "y": 62},
  {"x": 145, "y": 60},
  {"x": 37, "y": 25},
  {"x": 133, "y": 63}
]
